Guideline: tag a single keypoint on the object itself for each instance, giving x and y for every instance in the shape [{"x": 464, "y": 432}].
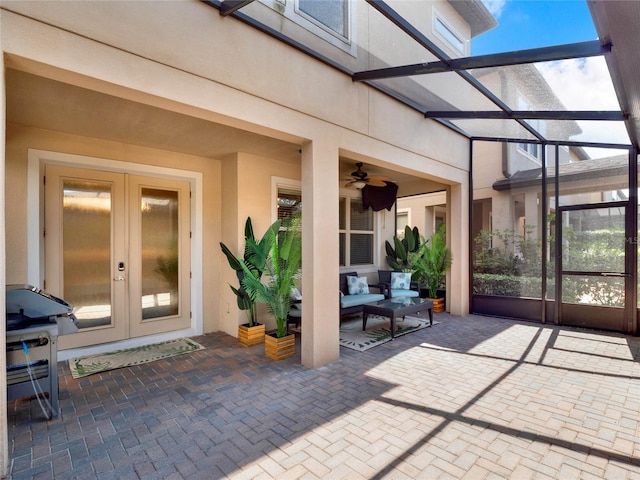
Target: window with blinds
[
  {"x": 356, "y": 225},
  {"x": 356, "y": 233},
  {"x": 289, "y": 203}
]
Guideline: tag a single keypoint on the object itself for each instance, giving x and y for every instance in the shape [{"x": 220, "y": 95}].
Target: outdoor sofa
[{"x": 352, "y": 303}]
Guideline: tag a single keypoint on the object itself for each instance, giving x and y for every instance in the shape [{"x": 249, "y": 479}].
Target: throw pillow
[
  {"x": 357, "y": 285},
  {"x": 400, "y": 280},
  {"x": 295, "y": 294}
]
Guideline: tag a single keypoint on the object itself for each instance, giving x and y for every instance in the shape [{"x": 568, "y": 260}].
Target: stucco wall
[
  {"x": 247, "y": 191},
  {"x": 188, "y": 59}
]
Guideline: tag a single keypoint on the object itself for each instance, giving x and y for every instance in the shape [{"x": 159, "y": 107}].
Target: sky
[
  {"x": 526, "y": 24},
  {"x": 581, "y": 84}
]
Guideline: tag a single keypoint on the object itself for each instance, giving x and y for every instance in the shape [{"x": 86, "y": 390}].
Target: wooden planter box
[
  {"x": 251, "y": 336},
  {"x": 279, "y": 348},
  {"x": 438, "y": 304}
]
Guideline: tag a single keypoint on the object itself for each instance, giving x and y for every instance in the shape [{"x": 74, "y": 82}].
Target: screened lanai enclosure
[{"x": 553, "y": 187}]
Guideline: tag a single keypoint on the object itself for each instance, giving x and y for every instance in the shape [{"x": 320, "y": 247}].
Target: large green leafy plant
[
  {"x": 255, "y": 257},
  {"x": 433, "y": 260},
  {"x": 401, "y": 255},
  {"x": 282, "y": 270}
]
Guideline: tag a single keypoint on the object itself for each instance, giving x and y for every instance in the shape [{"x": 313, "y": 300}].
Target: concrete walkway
[{"x": 473, "y": 397}]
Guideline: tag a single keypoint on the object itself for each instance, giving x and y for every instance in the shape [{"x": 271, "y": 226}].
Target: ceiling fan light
[{"x": 359, "y": 184}]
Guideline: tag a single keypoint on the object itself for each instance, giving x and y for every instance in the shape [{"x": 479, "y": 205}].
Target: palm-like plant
[
  {"x": 401, "y": 254},
  {"x": 432, "y": 262},
  {"x": 255, "y": 257},
  {"x": 282, "y": 269}
]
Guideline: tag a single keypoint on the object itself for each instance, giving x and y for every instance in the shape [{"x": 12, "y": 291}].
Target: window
[
  {"x": 356, "y": 226},
  {"x": 448, "y": 34},
  {"x": 356, "y": 233},
  {"x": 331, "y": 14},
  {"x": 402, "y": 220},
  {"x": 288, "y": 203},
  {"x": 331, "y": 20},
  {"x": 532, "y": 149}
]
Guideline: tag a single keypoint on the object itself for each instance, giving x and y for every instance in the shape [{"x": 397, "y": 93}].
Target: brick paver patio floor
[{"x": 473, "y": 397}]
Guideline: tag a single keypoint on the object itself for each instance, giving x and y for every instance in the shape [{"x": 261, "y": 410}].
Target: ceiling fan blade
[
  {"x": 377, "y": 183},
  {"x": 379, "y": 178}
]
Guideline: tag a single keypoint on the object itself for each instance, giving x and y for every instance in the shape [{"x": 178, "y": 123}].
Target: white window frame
[
  {"x": 348, "y": 196},
  {"x": 290, "y": 9},
  {"x": 291, "y": 184},
  {"x": 406, "y": 212},
  {"x": 277, "y": 183},
  {"x": 528, "y": 148},
  {"x": 448, "y": 34}
]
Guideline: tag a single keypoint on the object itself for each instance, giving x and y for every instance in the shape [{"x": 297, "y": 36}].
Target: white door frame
[{"x": 37, "y": 159}]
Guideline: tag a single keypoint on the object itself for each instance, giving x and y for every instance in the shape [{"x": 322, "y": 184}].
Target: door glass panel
[
  {"x": 594, "y": 241},
  {"x": 159, "y": 241},
  {"x": 86, "y": 225},
  {"x": 589, "y": 290}
]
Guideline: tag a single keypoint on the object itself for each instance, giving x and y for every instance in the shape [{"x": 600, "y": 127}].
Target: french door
[{"x": 117, "y": 247}]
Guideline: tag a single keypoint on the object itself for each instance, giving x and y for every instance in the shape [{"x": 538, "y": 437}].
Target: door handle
[
  {"x": 119, "y": 278},
  {"x": 614, "y": 274}
]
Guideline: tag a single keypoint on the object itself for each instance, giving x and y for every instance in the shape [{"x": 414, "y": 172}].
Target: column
[
  {"x": 320, "y": 253},
  {"x": 458, "y": 240}
]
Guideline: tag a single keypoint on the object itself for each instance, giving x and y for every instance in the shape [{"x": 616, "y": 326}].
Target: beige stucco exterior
[{"x": 150, "y": 68}]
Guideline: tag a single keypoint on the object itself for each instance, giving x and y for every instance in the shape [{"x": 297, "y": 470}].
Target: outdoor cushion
[
  {"x": 354, "y": 300},
  {"x": 403, "y": 293},
  {"x": 400, "y": 280},
  {"x": 358, "y": 285},
  {"x": 295, "y": 294}
]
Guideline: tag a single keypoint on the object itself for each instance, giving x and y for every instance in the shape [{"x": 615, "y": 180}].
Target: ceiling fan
[{"x": 359, "y": 179}]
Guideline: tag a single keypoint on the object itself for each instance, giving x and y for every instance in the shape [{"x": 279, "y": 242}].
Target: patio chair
[
  {"x": 397, "y": 284},
  {"x": 295, "y": 312}
]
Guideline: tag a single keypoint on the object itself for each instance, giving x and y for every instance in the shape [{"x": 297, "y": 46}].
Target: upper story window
[
  {"x": 448, "y": 34},
  {"x": 331, "y": 14},
  {"x": 532, "y": 149},
  {"x": 330, "y": 20}
]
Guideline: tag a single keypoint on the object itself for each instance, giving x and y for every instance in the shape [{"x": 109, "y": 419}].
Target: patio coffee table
[{"x": 397, "y": 307}]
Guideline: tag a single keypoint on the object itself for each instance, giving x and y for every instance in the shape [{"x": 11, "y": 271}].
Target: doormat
[
  {"x": 84, "y": 366},
  {"x": 378, "y": 331}
]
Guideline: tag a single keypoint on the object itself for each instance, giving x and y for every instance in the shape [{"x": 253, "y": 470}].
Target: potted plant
[
  {"x": 255, "y": 257},
  {"x": 432, "y": 263},
  {"x": 401, "y": 255},
  {"x": 282, "y": 269}
]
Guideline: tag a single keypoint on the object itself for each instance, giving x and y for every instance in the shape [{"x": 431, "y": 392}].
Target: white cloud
[
  {"x": 585, "y": 84},
  {"x": 495, "y": 7}
]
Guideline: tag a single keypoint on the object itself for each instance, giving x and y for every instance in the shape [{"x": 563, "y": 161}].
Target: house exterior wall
[
  {"x": 170, "y": 64},
  {"x": 423, "y": 210},
  {"x": 183, "y": 57}
]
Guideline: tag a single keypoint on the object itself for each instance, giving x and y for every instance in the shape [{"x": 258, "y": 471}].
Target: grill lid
[{"x": 28, "y": 305}]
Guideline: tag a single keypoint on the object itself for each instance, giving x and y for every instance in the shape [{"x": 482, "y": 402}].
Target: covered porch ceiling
[{"x": 43, "y": 103}]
